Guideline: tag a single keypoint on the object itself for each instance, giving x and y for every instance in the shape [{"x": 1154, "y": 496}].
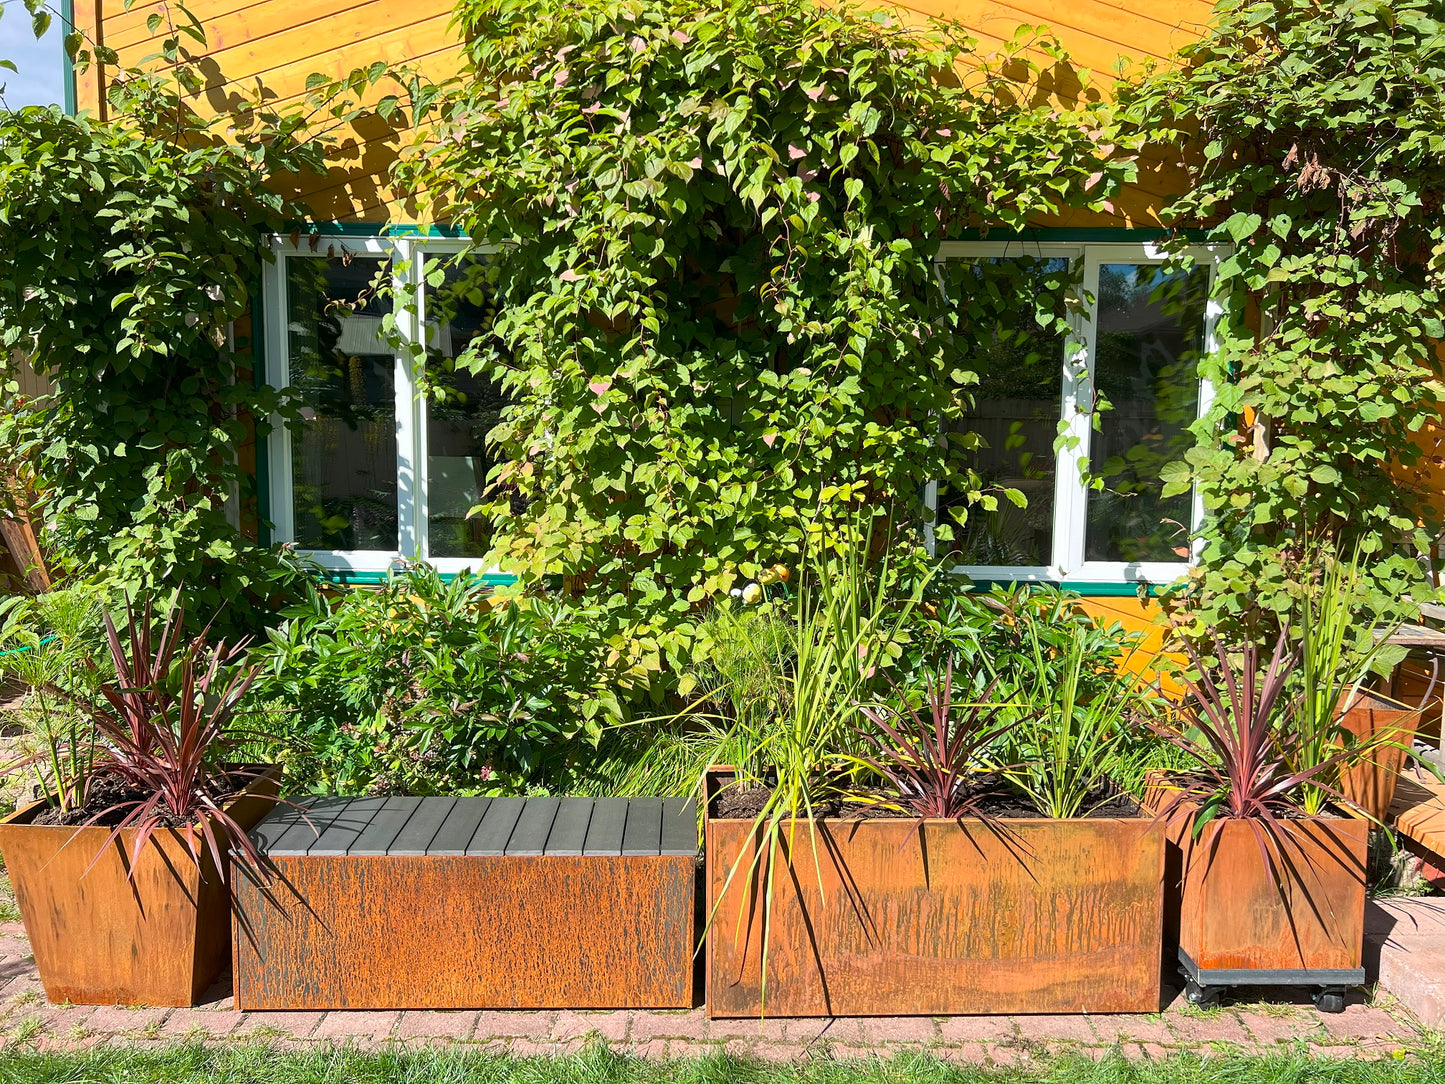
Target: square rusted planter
[
  {"x": 100, "y": 937},
  {"x": 894, "y": 917},
  {"x": 1370, "y": 784},
  {"x": 1298, "y": 919}
]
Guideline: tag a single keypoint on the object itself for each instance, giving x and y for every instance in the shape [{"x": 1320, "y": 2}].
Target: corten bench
[{"x": 396, "y": 903}]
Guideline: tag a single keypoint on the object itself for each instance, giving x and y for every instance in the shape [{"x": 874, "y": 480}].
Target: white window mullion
[
  {"x": 278, "y": 375},
  {"x": 410, "y": 516},
  {"x": 1070, "y": 493},
  {"x": 1213, "y": 313}
]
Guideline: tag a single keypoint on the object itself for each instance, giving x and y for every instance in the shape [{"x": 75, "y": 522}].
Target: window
[
  {"x": 1109, "y": 325},
  {"x": 390, "y": 457}
]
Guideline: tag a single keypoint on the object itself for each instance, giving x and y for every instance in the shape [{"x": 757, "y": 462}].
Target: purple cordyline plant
[
  {"x": 930, "y": 760},
  {"x": 172, "y": 715},
  {"x": 1239, "y": 724}
]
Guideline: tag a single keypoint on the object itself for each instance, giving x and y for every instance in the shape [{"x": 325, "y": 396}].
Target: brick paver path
[{"x": 1382, "y": 1028}]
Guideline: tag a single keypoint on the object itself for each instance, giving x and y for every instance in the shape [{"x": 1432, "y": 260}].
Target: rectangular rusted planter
[
  {"x": 1302, "y": 912},
  {"x": 940, "y": 918},
  {"x": 473, "y": 903},
  {"x": 159, "y": 937}
]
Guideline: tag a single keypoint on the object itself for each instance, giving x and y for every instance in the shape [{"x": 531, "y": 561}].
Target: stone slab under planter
[{"x": 472, "y": 903}]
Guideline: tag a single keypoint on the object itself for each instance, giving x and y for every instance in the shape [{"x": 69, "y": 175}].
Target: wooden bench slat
[
  {"x": 679, "y": 826},
  {"x": 457, "y": 830},
  {"x": 529, "y": 837},
  {"x": 604, "y": 832},
  {"x": 495, "y": 830},
  {"x": 319, "y": 812},
  {"x": 569, "y": 830},
  {"x": 345, "y": 827},
  {"x": 390, "y": 819},
  {"x": 283, "y": 816},
  {"x": 643, "y": 833},
  {"x": 422, "y": 827}
]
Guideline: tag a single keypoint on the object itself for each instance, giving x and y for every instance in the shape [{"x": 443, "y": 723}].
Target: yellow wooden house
[{"x": 429, "y": 468}]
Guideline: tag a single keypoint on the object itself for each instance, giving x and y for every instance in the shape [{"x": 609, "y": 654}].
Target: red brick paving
[
  {"x": 361, "y": 1025},
  {"x": 970, "y": 1029},
  {"x": 611, "y": 1026},
  {"x": 1368, "y": 1030}
]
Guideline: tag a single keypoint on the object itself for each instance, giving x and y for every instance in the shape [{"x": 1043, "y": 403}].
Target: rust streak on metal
[
  {"x": 1028, "y": 916},
  {"x": 469, "y": 931}
]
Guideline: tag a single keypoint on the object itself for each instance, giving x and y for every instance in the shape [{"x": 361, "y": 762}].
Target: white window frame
[
  {"x": 407, "y": 254},
  {"x": 1067, "y": 566}
]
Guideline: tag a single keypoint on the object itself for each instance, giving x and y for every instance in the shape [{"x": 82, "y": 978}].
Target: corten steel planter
[
  {"x": 472, "y": 903},
  {"x": 940, "y": 918},
  {"x": 1295, "y": 920},
  {"x": 159, "y": 937},
  {"x": 1370, "y": 784}
]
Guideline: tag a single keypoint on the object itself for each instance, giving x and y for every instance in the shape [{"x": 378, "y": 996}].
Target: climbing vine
[
  {"x": 1314, "y": 135},
  {"x": 131, "y": 254},
  {"x": 712, "y": 232}
]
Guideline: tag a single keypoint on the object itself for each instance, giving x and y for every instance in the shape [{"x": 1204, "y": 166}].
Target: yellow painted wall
[{"x": 278, "y": 43}]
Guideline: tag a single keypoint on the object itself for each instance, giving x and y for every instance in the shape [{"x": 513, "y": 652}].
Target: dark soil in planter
[
  {"x": 993, "y": 802},
  {"x": 111, "y": 799}
]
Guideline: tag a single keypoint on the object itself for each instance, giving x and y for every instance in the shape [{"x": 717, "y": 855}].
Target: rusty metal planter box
[
  {"x": 1305, "y": 915},
  {"x": 939, "y": 918},
  {"x": 159, "y": 936},
  {"x": 477, "y": 903}
]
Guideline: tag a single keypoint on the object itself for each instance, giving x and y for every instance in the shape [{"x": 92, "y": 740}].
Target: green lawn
[{"x": 258, "y": 1064}]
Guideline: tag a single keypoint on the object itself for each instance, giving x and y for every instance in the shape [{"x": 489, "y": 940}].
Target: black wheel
[
  {"x": 1328, "y": 1000},
  {"x": 1200, "y": 995}
]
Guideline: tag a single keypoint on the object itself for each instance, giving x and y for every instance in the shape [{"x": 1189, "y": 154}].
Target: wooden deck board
[
  {"x": 497, "y": 826},
  {"x": 305, "y": 831},
  {"x": 461, "y": 823},
  {"x": 604, "y": 833},
  {"x": 529, "y": 837},
  {"x": 643, "y": 834},
  {"x": 1418, "y": 810},
  {"x": 569, "y": 830},
  {"x": 346, "y": 827},
  {"x": 385, "y": 826}
]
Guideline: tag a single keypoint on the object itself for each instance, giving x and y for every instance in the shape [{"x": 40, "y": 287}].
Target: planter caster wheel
[
  {"x": 1330, "y": 1000},
  {"x": 1201, "y": 996}
]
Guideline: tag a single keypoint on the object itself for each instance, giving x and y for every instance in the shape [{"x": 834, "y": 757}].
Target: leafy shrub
[
  {"x": 715, "y": 228},
  {"x": 1319, "y": 166},
  {"x": 426, "y": 686},
  {"x": 54, "y": 647}
]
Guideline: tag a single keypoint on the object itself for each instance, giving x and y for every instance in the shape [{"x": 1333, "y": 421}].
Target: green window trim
[{"x": 67, "y": 66}]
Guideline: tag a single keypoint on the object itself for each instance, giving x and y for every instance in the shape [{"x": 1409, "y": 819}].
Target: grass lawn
[{"x": 259, "y": 1064}]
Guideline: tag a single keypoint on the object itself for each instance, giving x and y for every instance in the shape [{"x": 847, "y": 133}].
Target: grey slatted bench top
[{"x": 332, "y": 827}]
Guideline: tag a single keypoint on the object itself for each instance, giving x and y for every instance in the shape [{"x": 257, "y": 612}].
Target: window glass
[
  {"x": 343, "y": 458},
  {"x": 461, "y": 408},
  {"x": 1009, "y": 312},
  {"x": 1150, "y": 327}
]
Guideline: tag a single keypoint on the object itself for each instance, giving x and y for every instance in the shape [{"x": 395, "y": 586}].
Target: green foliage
[
  {"x": 1339, "y": 655},
  {"x": 53, "y": 647},
  {"x": 425, "y": 686},
  {"x": 719, "y": 322},
  {"x": 1314, "y": 143},
  {"x": 1077, "y": 698},
  {"x": 1298, "y": 1062},
  {"x": 131, "y": 248}
]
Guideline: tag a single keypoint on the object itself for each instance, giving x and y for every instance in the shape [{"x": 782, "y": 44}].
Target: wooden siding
[{"x": 276, "y": 44}]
